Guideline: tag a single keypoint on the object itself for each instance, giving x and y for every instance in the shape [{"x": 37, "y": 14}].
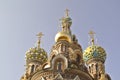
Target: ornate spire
[
  {"x": 66, "y": 22},
  {"x": 39, "y": 35},
  {"x": 65, "y": 34},
  {"x": 92, "y": 40}
]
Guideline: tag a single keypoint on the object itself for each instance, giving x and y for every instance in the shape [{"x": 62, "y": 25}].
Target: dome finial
[
  {"x": 92, "y": 34},
  {"x": 39, "y": 35},
  {"x": 67, "y": 12},
  {"x": 66, "y": 22},
  {"x": 65, "y": 34}
]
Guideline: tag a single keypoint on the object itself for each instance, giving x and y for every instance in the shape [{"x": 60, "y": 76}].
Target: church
[{"x": 67, "y": 60}]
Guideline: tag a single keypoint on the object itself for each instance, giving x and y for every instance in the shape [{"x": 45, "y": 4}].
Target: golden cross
[
  {"x": 91, "y": 33},
  {"x": 39, "y": 35},
  {"x": 67, "y": 12}
]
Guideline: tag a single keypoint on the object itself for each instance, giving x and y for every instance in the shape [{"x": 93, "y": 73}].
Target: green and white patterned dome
[{"x": 94, "y": 52}]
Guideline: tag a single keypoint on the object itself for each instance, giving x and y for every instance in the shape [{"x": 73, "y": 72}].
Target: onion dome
[
  {"x": 65, "y": 34},
  {"x": 94, "y": 52},
  {"x": 36, "y": 53}
]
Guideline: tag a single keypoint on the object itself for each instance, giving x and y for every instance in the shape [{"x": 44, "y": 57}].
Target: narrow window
[
  {"x": 59, "y": 66},
  {"x": 32, "y": 68}
]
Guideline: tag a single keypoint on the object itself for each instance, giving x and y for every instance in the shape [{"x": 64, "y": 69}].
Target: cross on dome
[
  {"x": 92, "y": 34},
  {"x": 39, "y": 35},
  {"x": 67, "y": 12}
]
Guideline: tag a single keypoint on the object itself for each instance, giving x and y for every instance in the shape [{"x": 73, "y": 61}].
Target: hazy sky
[{"x": 21, "y": 20}]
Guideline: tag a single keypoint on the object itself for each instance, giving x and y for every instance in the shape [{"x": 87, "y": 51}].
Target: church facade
[{"x": 67, "y": 60}]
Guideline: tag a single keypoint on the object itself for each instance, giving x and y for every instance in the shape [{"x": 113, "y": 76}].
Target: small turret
[
  {"x": 35, "y": 57},
  {"x": 94, "y": 57}
]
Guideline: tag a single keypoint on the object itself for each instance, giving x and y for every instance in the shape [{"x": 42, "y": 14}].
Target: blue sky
[{"x": 21, "y": 20}]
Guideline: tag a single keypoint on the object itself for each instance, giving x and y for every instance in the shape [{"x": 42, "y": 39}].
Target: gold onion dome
[
  {"x": 65, "y": 34},
  {"x": 36, "y": 53},
  {"x": 94, "y": 52}
]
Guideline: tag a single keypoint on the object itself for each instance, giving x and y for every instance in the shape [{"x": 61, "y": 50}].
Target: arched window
[
  {"x": 59, "y": 63},
  {"x": 90, "y": 69},
  {"x": 96, "y": 66},
  {"x": 59, "y": 66},
  {"x": 78, "y": 58},
  {"x": 32, "y": 68}
]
